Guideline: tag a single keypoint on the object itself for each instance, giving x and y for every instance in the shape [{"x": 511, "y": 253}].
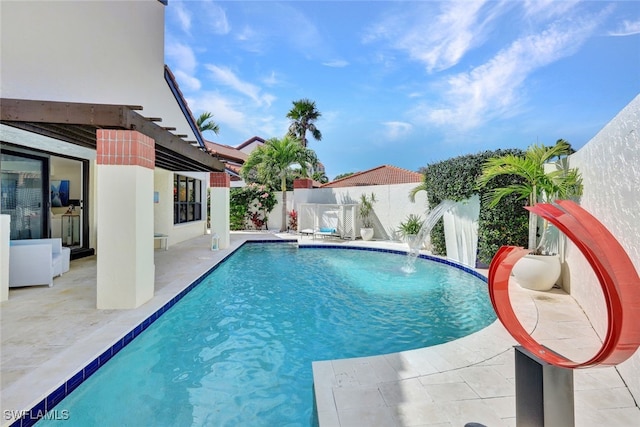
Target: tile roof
[
  {"x": 226, "y": 152},
  {"x": 381, "y": 175},
  {"x": 234, "y": 171}
]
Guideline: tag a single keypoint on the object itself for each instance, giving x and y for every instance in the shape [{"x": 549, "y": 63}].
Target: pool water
[{"x": 237, "y": 350}]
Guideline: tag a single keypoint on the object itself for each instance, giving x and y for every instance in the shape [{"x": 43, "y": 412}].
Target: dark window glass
[{"x": 187, "y": 199}]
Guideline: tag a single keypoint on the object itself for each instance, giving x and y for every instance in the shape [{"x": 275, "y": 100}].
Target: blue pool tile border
[{"x": 47, "y": 404}]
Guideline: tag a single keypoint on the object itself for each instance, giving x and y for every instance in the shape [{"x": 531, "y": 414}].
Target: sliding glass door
[{"x": 24, "y": 195}]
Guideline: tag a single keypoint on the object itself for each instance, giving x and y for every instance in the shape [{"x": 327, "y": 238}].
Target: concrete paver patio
[{"x": 49, "y": 333}]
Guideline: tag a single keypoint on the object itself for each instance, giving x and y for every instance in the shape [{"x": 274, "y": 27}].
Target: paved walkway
[{"x": 48, "y": 333}]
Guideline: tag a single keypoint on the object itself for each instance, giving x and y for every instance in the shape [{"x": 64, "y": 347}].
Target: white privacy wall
[
  {"x": 610, "y": 167},
  {"x": 392, "y": 206}
]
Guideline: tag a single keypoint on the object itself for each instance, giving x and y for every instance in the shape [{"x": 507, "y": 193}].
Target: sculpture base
[{"x": 544, "y": 392}]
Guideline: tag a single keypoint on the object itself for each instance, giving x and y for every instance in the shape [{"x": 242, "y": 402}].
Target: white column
[
  {"x": 125, "y": 264},
  {"x": 219, "y": 214}
]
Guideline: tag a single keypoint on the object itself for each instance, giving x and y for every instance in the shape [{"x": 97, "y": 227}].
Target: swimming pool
[{"x": 237, "y": 350}]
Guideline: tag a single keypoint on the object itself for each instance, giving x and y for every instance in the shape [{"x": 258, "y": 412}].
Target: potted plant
[
  {"x": 410, "y": 231},
  {"x": 366, "y": 212},
  {"x": 541, "y": 181}
]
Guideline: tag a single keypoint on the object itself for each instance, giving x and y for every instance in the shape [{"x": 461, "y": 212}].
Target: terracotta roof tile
[
  {"x": 381, "y": 175},
  {"x": 226, "y": 152}
]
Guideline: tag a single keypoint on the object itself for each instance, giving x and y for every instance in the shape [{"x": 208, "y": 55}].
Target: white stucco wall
[
  {"x": 610, "y": 167},
  {"x": 275, "y": 216},
  {"x": 163, "y": 210},
  {"x": 106, "y": 52},
  {"x": 185, "y": 231},
  {"x": 392, "y": 206}
]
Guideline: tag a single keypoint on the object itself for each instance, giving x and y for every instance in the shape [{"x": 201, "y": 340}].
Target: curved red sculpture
[{"x": 617, "y": 276}]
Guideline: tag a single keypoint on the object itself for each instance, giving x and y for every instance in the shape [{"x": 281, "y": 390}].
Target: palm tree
[
  {"x": 320, "y": 177},
  {"x": 537, "y": 184},
  {"x": 302, "y": 116},
  {"x": 274, "y": 159},
  {"x": 205, "y": 123}
]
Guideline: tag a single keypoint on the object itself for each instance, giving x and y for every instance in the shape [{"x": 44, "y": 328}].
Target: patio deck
[{"x": 49, "y": 333}]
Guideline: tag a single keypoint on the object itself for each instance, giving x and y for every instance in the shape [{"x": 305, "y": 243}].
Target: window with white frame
[{"x": 187, "y": 199}]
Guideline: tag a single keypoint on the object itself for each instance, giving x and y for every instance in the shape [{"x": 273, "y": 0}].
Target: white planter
[
  {"x": 366, "y": 233},
  {"x": 537, "y": 272}
]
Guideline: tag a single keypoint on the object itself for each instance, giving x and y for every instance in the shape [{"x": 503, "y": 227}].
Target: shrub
[
  {"x": 250, "y": 205},
  {"x": 293, "y": 220},
  {"x": 455, "y": 179}
]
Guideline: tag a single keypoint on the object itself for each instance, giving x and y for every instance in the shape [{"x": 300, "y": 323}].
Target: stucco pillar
[
  {"x": 219, "y": 209},
  {"x": 124, "y": 177},
  {"x": 5, "y": 231}
]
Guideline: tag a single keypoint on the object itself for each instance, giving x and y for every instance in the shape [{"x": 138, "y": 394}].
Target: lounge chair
[{"x": 328, "y": 225}]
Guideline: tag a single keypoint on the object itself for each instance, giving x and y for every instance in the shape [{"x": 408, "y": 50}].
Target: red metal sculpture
[{"x": 615, "y": 272}]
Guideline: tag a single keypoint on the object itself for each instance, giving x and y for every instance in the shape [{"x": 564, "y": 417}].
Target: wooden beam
[
  {"x": 23, "y": 110},
  {"x": 171, "y": 142},
  {"x": 46, "y": 115}
]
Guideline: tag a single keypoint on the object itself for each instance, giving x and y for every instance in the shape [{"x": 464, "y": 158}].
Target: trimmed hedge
[{"x": 455, "y": 179}]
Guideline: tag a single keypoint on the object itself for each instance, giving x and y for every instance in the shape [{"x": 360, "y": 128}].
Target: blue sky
[{"x": 407, "y": 83}]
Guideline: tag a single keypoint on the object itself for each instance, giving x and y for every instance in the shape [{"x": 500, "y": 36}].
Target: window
[{"x": 187, "y": 199}]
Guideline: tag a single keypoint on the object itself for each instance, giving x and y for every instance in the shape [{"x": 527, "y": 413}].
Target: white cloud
[
  {"x": 396, "y": 130},
  {"x": 225, "y": 76},
  {"x": 547, "y": 9},
  {"x": 181, "y": 55},
  {"x": 183, "y": 17},
  {"x": 627, "y": 28},
  {"x": 336, "y": 63},
  {"x": 225, "y": 113},
  {"x": 215, "y": 18},
  {"x": 438, "y": 38},
  {"x": 187, "y": 82},
  {"x": 184, "y": 67},
  {"x": 493, "y": 89},
  {"x": 271, "y": 79},
  {"x": 233, "y": 115}
]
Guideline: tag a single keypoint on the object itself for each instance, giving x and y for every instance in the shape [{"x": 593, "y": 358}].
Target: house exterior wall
[
  {"x": 80, "y": 53},
  {"x": 185, "y": 231},
  {"x": 163, "y": 210},
  {"x": 103, "y": 52},
  {"x": 609, "y": 164}
]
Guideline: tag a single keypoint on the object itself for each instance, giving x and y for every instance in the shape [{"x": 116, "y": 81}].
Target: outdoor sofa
[{"x": 37, "y": 261}]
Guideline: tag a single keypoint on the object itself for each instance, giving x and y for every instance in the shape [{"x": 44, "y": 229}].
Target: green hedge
[{"x": 455, "y": 179}]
